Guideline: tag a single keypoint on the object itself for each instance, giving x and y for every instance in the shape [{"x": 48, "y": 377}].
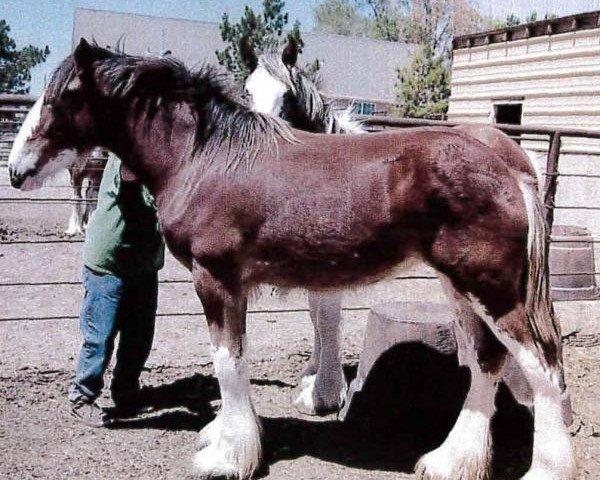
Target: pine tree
[
  {"x": 264, "y": 31},
  {"x": 424, "y": 86},
  {"x": 16, "y": 65}
]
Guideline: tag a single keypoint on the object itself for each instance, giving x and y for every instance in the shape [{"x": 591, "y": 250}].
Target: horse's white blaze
[
  {"x": 23, "y": 159},
  {"x": 267, "y": 92},
  {"x": 63, "y": 160},
  {"x": 233, "y": 438},
  {"x": 19, "y": 161}
]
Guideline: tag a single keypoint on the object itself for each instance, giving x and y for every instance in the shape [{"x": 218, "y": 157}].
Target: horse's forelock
[{"x": 60, "y": 79}]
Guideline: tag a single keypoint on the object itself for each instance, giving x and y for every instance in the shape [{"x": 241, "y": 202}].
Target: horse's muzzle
[{"x": 17, "y": 179}]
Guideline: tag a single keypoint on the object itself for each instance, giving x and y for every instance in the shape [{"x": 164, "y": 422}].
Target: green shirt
[{"x": 123, "y": 237}]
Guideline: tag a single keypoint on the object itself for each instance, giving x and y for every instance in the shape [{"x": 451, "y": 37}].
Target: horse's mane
[
  {"x": 155, "y": 82},
  {"x": 305, "y": 88}
]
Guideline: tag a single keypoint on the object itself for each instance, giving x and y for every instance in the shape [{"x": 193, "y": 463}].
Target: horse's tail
[
  {"x": 532, "y": 156},
  {"x": 540, "y": 313}
]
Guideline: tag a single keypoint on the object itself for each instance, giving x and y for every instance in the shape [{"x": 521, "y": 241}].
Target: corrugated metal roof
[
  {"x": 553, "y": 26},
  {"x": 358, "y": 68}
]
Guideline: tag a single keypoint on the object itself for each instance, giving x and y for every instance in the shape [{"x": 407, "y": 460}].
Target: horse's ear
[
  {"x": 290, "y": 52},
  {"x": 83, "y": 55},
  {"x": 247, "y": 54}
]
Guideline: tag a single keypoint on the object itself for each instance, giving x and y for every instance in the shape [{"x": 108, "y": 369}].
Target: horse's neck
[{"x": 156, "y": 150}]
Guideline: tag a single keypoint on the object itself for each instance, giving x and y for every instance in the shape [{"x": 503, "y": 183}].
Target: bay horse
[
  {"x": 244, "y": 200},
  {"x": 278, "y": 87}
]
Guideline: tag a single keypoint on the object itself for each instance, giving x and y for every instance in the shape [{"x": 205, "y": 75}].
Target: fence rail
[
  {"x": 552, "y": 135},
  {"x": 555, "y": 135}
]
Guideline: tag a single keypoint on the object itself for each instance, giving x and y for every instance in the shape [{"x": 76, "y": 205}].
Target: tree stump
[{"x": 431, "y": 324}]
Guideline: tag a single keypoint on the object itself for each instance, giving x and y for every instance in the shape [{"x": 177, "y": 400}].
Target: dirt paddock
[{"x": 407, "y": 407}]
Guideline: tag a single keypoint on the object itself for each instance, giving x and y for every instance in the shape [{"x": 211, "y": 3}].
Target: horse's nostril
[{"x": 15, "y": 180}]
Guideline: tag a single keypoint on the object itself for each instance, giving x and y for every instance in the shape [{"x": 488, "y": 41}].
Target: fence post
[{"x": 551, "y": 180}]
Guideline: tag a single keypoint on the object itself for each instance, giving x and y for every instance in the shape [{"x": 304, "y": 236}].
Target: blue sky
[{"x": 46, "y": 22}]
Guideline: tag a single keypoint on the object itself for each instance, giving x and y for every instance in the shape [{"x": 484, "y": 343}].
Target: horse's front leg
[
  {"x": 76, "y": 219},
  {"x": 231, "y": 442},
  {"x": 323, "y": 386},
  {"x": 91, "y": 200}
]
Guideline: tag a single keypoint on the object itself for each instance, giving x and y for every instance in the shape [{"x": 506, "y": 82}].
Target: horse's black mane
[{"x": 156, "y": 82}]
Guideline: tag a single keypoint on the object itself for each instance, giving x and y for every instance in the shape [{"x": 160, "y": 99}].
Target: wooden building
[{"x": 542, "y": 73}]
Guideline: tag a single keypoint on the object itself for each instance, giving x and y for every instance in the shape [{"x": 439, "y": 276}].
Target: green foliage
[
  {"x": 377, "y": 19},
  {"x": 386, "y": 19},
  {"x": 265, "y": 32},
  {"x": 424, "y": 86},
  {"x": 513, "y": 20},
  {"x": 16, "y": 65},
  {"x": 341, "y": 17}
]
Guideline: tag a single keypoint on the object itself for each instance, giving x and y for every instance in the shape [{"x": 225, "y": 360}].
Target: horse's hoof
[
  {"x": 542, "y": 474},
  {"x": 320, "y": 398},
  {"x": 221, "y": 459},
  {"x": 210, "y": 433},
  {"x": 232, "y": 448},
  {"x": 445, "y": 464},
  {"x": 304, "y": 403},
  {"x": 210, "y": 463},
  {"x": 72, "y": 232}
]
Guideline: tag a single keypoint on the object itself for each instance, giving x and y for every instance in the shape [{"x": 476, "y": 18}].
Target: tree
[
  {"x": 424, "y": 86},
  {"x": 377, "y": 19},
  {"x": 16, "y": 65},
  {"x": 385, "y": 19},
  {"x": 341, "y": 17},
  {"x": 513, "y": 20},
  {"x": 264, "y": 31},
  {"x": 430, "y": 24}
]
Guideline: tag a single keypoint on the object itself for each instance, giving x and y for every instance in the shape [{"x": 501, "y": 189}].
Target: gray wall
[{"x": 356, "y": 68}]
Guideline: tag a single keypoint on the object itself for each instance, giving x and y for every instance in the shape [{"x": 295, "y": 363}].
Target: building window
[
  {"x": 363, "y": 108},
  {"x": 510, "y": 113}
]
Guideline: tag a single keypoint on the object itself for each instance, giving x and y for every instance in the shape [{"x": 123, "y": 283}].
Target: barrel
[{"x": 572, "y": 266}]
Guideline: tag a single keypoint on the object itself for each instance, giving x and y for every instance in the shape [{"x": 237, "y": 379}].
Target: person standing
[{"x": 123, "y": 252}]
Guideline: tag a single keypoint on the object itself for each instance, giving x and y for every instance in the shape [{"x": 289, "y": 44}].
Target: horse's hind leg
[
  {"x": 323, "y": 386},
  {"x": 541, "y": 362},
  {"x": 465, "y": 454},
  {"x": 231, "y": 442}
]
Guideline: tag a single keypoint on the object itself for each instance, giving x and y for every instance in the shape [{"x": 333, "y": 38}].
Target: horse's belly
[{"x": 325, "y": 269}]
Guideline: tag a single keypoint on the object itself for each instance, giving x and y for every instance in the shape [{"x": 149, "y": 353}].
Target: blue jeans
[{"x": 114, "y": 305}]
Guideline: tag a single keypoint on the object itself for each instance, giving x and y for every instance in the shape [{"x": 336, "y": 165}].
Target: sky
[{"x": 47, "y": 22}]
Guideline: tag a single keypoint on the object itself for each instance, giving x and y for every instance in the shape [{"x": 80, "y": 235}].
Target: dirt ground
[{"x": 406, "y": 409}]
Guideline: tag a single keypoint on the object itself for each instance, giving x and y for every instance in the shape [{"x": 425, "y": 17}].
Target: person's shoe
[
  {"x": 88, "y": 412},
  {"x": 130, "y": 406},
  {"x": 128, "y": 411}
]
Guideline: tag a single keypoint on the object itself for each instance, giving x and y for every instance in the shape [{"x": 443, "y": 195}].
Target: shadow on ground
[{"x": 406, "y": 408}]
